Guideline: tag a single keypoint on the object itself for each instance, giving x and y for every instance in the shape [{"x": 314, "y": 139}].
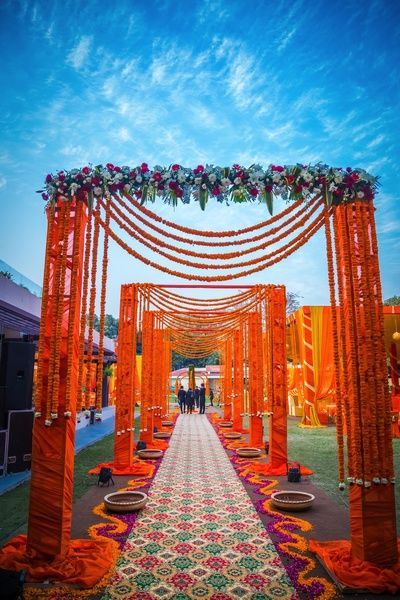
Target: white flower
[
  {"x": 308, "y": 177},
  {"x": 181, "y": 177},
  {"x": 237, "y": 181},
  {"x": 276, "y": 178},
  {"x": 212, "y": 177},
  {"x": 332, "y": 187},
  {"x": 67, "y": 413},
  {"x": 47, "y": 423},
  {"x": 98, "y": 191},
  {"x": 38, "y": 414},
  {"x": 236, "y": 192},
  {"x": 360, "y": 194},
  {"x": 197, "y": 180},
  {"x": 226, "y": 181},
  {"x": 127, "y": 187},
  {"x": 139, "y": 178},
  {"x": 338, "y": 179},
  {"x": 54, "y": 415},
  {"x": 106, "y": 175},
  {"x": 166, "y": 175},
  {"x": 203, "y": 186},
  {"x": 73, "y": 187}
]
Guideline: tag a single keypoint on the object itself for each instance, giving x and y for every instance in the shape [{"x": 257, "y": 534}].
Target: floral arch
[{"x": 114, "y": 200}]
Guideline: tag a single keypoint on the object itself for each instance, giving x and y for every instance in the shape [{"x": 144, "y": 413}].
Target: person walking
[
  {"x": 182, "y": 399},
  {"x": 196, "y": 395},
  {"x": 211, "y": 397},
  {"x": 189, "y": 400},
  {"x": 202, "y": 399}
]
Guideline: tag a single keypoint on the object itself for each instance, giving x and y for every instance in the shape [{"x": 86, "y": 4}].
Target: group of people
[{"x": 190, "y": 398}]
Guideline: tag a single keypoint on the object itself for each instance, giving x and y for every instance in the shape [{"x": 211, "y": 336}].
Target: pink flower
[
  {"x": 86, "y": 170},
  {"x": 49, "y": 178},
  {"x": 198, "y": 169},
  {"x": 277, "y": 168},
  {"x": 216, "y": 190},
  {"x": 45, "y": 197},
  {"x": 132, "y": 174},
  {"x": 237, "y": 167},
  {"x": 175, "y": 167},
  {"x": 157, "y": 176},
  {"x": 254, "y": 192},
  {"x": 144, "y": 167},
  {"x": 110, "y": 166}
]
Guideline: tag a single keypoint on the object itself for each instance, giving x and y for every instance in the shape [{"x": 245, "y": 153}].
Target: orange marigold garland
[
  {"x": 38, "y": 398},
  {"x": 336, "y": 356},
  {"x": 72, "y": 309},
  {"x": 103, "y": 290},
  {"x": 92, "y": 303},
  {"x": 82, "y": 330}
]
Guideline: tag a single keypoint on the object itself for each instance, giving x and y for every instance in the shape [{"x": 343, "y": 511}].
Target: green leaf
[
  {"x": 269, "y": 202},
  {"x": 328, "y": 197},
  {"x": 90, "y": 200},
  {"x": 144, "y": 194},
  {"x": 203, "y": 197}
]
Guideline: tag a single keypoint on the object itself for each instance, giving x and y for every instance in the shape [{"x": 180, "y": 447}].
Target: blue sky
[{"x": 198, "y": 82}]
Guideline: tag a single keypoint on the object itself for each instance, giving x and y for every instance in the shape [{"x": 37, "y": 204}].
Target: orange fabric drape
[{"x": 124, "y": 412}]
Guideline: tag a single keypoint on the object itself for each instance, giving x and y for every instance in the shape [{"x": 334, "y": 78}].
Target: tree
[
  {"x": 6, "y": 274},
  {"x": 110, "y": 325},
  {"x": 393, "y": 301},
  {"x": 292, "y": 302},
  {"x": 180, "y": 362}
]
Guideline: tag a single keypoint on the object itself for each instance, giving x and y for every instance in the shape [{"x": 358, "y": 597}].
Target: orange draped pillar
[
  {"x": 255, "y": 381},
  {"x": 371, "y": 558},
  {"x": 276, "y": 309},
  {"x": 146, "y": 412},
  {"x": 125, "y": 402},
  {"x": 238, "y": 387},
  {"x": 158, "y": 376},
  {"x": 228, "y": 392},
  {"x": 48, "y": 552}
]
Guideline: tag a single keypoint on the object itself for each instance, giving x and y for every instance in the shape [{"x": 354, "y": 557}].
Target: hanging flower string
[{"x": 236, "y": 183}]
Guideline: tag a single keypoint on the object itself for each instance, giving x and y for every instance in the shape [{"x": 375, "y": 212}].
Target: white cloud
[
  {"x": 123, "y": 134},
  {"x": 376, "y": 141},
  {"x": 80, "y": 53},
  {"x": 3, "y": 182}
]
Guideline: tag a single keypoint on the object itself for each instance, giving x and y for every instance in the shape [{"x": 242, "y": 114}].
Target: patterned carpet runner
[{"x": 199, "y": 535}]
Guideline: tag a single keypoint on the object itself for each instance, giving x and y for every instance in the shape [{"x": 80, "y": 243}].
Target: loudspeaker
[
  {"x": 3, "y": 442},
  {"x": 16, "y": 377},
  {"x": 19, "y": 446}
]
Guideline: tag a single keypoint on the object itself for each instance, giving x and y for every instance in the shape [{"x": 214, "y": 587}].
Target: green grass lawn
[{"x": 317, "y": 449}]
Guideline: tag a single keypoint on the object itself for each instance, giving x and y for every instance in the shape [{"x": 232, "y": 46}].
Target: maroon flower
[
  {"x": 157, "y": 176},
  {"x": 61, "y": 175},
  {"x": 117, "y": 169},
  {"x": 216, "y": 190},
  {"x": 277, "y": 168},
  {"x": 139, "y": 194},
  {"x": 79, "y": 176},
  {"x": 290, "y": 179},
  {"x": 132, "y": 174},
  {"x": 268, "y": 188},
  {"x": 144, "y": 167},
  {"x": 175, "y": 167},
  {"x": 110, "y": 166},
  {"x": 198, "y": 169},
  {"x": 86, "y": 170},
  {"x": 45, "y": 196},
  {"x": 96, "y": 181},
  {"x": 49, "y": 178},
  {"x": 254, "y": 192},
  {"x": 173, "y": 185},
  {"x": 236, "y": 167},
  {"x": 349, "y": 169}
]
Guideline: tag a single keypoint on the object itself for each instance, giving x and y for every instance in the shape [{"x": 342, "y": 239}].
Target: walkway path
[{"x": 199, "y": 536}]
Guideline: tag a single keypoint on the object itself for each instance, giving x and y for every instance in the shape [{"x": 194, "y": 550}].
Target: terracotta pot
[
  {"x": 225, "y": 423},
  {"x": 232, "y": 435},
  {"x": 125, "y": 501},
  {"x": 150, "y": 454},
  {"x": 248, "y": 452},
  {"x": 292, "y": 500},
  {"x": 162, "y": 435}
]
